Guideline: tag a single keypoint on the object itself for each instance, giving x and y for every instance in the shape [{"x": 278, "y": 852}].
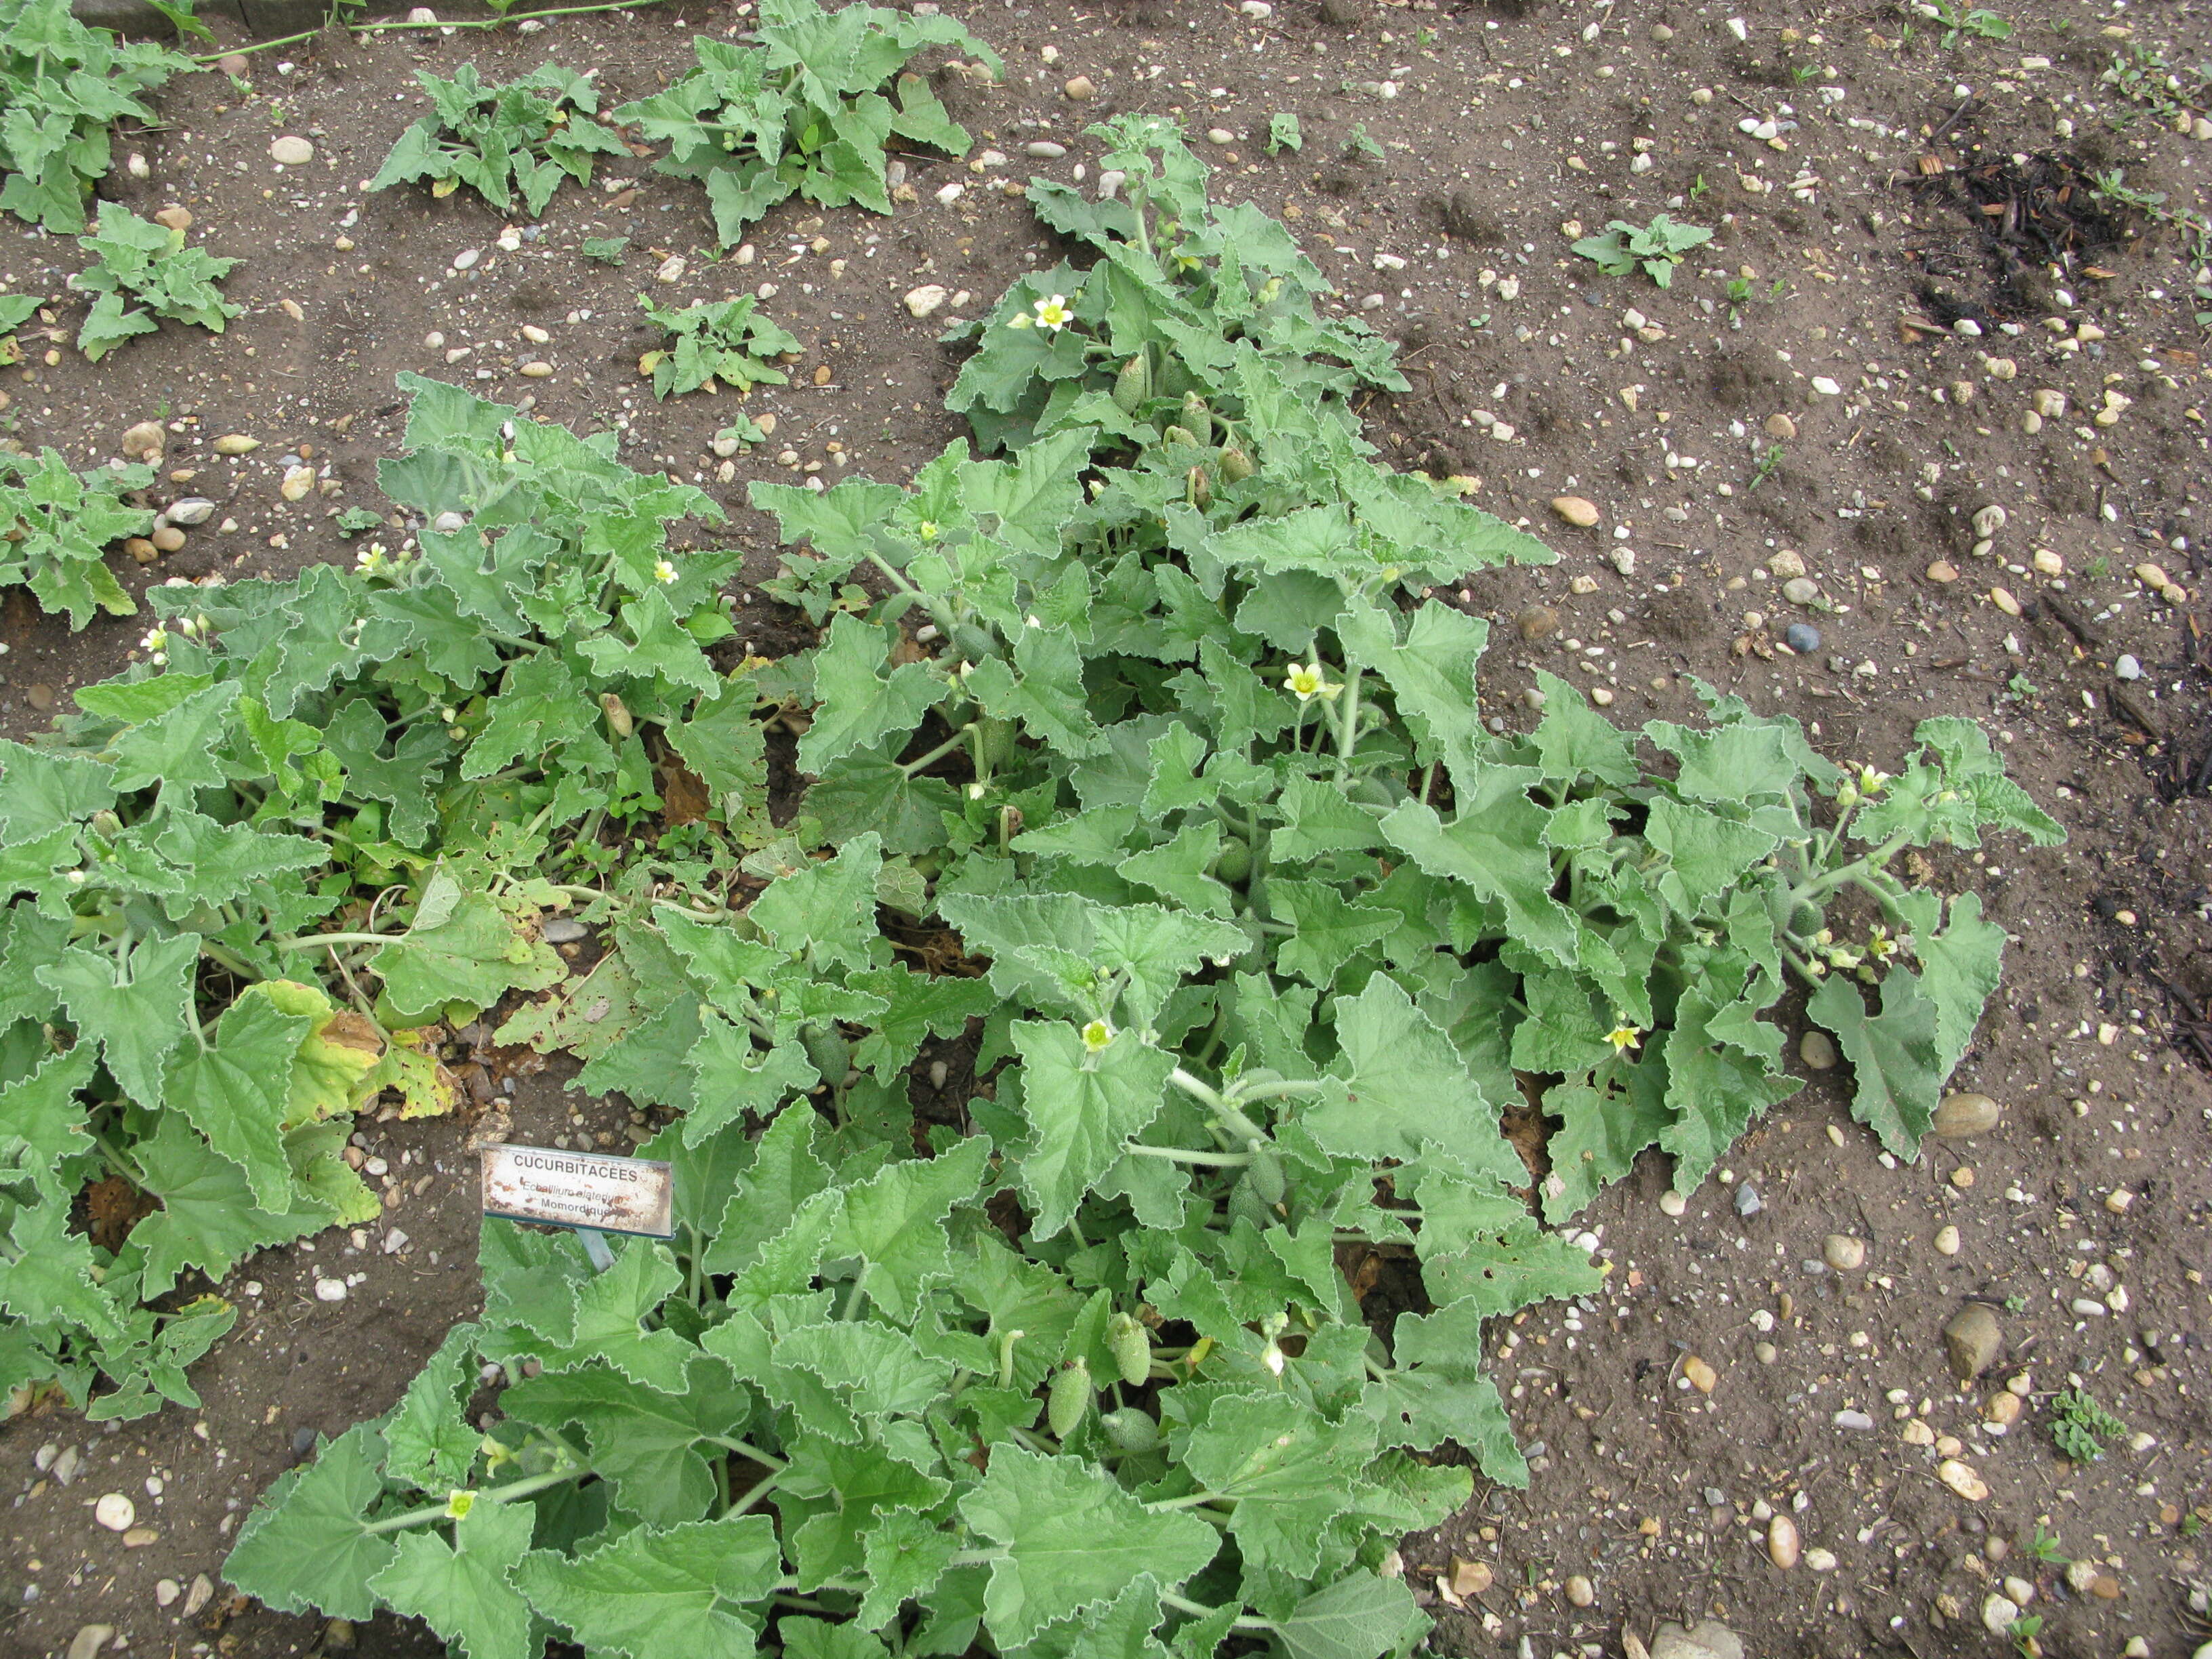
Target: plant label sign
[{"x": 583, "y": 1190}]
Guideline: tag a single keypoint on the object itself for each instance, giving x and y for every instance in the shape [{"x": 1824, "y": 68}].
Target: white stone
[
  {"x": 191, "y": 510},
  {"x": 291, "y": 152},
  {"x": 115, "y": 1511},
  {"x": 1825, "y": 386},
  {"x": 466, "y": 259},
  {"x": 330, "y": 1290},
  {"x": 926, "y": 300}
]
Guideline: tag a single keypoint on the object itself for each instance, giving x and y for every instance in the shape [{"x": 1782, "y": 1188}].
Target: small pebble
[
  {"x": 1580, "y": 1591},
  {"x": 1538, "y": 622},
  {"x": 1943, "y": 572},
  {"x": 1080, "y": 88},
  {"x": 114, "y": 1511},
  {"x": 1765, "y": 1352},
  {"x": 1961, "y": 1478},
  {"x": 1800, "y": 590},
  {"x": 1853, "y": 1419},
  {"x": 1820, "y": 1560},
  {"x": 89, "y": 1640},
  {"x": 1971, "y": 1340},
  {"x": 1702, "y": 1376},
  {"x": 1843, "y": 1253},
  {"x": 2127, "y": 668},
  {"x": 1818, "y": 1050},
  {"x": 1673, "y": 1203},
  {"x": 1802, "y": 637},
  {"x": 1947, "y": 1240},
  {"x": 167, "y": 1590},
  {"x": 1044, "y": 149},
  {"x": 191, "y": 510},
  {"x": 926, "y": 300},
  {"x": 537, "y": 369},
  {"x": 1962, "y": 1116},
  {"x": 291, "y": 152},
  {"x": 330, "y": 1290},
  {"x": 1747, "y": 1201},
  {"x": 1575, "y": 510},
  {"x": 1782, "y": 1542},
  {"x": 1781, "y": 426}
]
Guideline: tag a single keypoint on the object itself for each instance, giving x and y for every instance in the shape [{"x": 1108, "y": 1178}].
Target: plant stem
[
  {"x": 1189, "y": 1501},
  {"x": 1199, "y": 1609},
  {"x": 860, "y": 1289},
  {"x": 1200, "y": 1089},
  {"x": 923, "y": 762},
  {"x": 766, "y": 1459},
  {"x": 1287, "y": 1086},
  {"x": 753, "y": 1495},
  {"x": 1177, "y": 1154},
  {"x": 511, "y": 17},
  {"x": 317, "y": 941},
  {"x": 940, "y": 616},
  {"x": 1347, "y": 727},
  {"x": 505, "y": 1494}
]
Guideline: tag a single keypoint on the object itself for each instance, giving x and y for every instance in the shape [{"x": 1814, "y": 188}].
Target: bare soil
[{"x": 1501, "y": 125}]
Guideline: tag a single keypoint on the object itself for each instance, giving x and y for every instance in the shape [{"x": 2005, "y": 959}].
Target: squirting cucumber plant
[
  {"x": 811, "y": 108},
  {"x": 1150, "y": 770}
]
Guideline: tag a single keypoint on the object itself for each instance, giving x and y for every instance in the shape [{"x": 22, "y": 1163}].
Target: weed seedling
[
  {"x": 723, "y": 341},
  {"x": 523, "y": 137},
  {"x": 1658, "y": 247},
  {"x": 1283, "y": 134},
  {"x": 143, "y": 271},
  {"x": 2044, "y": 1548},
  {"x": 2080, "y": 1425}
]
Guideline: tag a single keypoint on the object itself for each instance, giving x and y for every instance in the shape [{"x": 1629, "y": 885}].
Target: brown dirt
[{"x": 1506, "y": 123}]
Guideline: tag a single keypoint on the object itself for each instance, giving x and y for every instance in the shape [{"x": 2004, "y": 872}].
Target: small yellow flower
[
  {"x": 156, "y": 639},
  {"x": 926, "y": 529},
  {"x": 1097, "y": 1036},
  {"x": 1624, "y": 1037},
  {"x": 370, "y": 559},
  {"x": 1872, "y": 783},
  {"x": 1880, "y": 946},
  {"x": 1306, "y": 681},
  {"x": 458, "y": 1503},
  {"x": 1053, "y": 314},
  {"x": 663, "y": 572}
]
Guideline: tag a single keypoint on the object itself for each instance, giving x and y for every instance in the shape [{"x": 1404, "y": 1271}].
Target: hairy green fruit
[
  {"x": 1132, "y": 385},
  {"x": 1131, "y": 1429},
  {"x": 1133, "y": 1349},
  {"x": 1069, "y": 1401},
  {"x": 1234, "y": 862}
]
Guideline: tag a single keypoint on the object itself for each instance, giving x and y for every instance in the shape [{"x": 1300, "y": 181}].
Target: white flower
[
  {"x": 1872, "y": 783},
  {"x": 663, "y": 572},
  {"x": 156, "y": 640},
  {"x": 1097, "y": 1036},
  {"x": 1053, "y": 313},
  {"x": 370, "y": 559},
  {"x": 1306, "y": 681}
]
